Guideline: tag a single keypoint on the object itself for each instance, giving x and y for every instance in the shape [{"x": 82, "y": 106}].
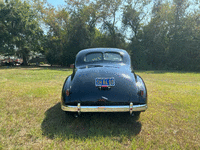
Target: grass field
[{"x": 31, "y": 118}]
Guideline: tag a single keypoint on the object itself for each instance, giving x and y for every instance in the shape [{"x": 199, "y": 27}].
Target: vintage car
[{"x": 103, "y": 80}]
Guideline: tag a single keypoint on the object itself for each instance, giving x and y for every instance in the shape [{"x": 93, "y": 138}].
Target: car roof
[
  {"x": 101, "y": 50},
  {"x": 80, "y": 56}
]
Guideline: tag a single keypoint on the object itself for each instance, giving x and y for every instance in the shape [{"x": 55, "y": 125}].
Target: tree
[
  {"x": 132, "y": 18},
  {"x": 108, "y": 10},
  {"x": 8, "y": 23},
  {"x": 56, "y": 40},
  {"x": 22, "y": 32},
  {"x": 169, "y": 40}
]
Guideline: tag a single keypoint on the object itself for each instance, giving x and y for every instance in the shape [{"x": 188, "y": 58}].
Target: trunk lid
[{"x": 83, "y": 87}]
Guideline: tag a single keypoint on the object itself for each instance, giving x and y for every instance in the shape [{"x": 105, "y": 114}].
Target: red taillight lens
[
  {"x": 141, "y": 93},
  {"x": 67, "y": 92}
]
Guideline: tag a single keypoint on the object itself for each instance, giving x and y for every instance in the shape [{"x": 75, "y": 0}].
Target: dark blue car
[{"x": 103, "y": 81}]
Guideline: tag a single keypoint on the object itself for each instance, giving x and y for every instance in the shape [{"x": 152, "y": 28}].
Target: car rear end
[
  {"x": 102, "y": 81},
  {"x": 103, "y": 89}
]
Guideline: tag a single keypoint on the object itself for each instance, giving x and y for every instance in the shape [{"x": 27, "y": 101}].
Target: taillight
[
  {"x": 67, "y": 92},
  {"x": 141, "y": 93}
]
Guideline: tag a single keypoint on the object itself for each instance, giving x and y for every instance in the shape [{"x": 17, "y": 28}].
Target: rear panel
[{"x": 85, "y": 89}]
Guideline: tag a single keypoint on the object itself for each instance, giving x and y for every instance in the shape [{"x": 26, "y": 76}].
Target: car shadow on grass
[{"x": 60, "y": 124}]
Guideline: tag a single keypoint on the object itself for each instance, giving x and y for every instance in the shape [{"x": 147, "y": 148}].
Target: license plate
[{"x": 105, "y": 82}]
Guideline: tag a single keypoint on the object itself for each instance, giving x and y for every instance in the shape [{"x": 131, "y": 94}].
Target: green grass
[{"x": 31, "y": 118}]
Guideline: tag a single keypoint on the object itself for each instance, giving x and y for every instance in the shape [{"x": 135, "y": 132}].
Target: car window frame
[{"x": 102, "y": 57}]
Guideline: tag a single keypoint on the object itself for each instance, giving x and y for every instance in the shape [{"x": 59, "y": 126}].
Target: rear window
[
  {"x": 109, "y": 56},
  {"x": 112, "y": 56},
  {"x": 93, "y": 57}
]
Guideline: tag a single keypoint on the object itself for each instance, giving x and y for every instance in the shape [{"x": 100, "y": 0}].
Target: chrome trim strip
[{"x": 124, "y": 108}]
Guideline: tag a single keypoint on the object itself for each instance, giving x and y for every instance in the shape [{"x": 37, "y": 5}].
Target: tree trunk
[
  {"x": 24, "y": 60},
  {"x": 25, "y": 54}
]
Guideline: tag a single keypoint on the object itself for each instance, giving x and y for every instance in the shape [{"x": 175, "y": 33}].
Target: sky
[{"x": 56, "y": 2}]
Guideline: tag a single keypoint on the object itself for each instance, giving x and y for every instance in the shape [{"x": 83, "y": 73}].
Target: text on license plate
[{"x": 105, "y": 81}]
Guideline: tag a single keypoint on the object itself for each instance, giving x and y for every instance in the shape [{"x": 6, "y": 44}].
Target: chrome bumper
[{"x": 125, "y": 108}]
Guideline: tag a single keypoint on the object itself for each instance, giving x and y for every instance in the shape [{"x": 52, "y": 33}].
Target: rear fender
[
  {"x": 141, "y": 86},
  {"x": 66, "y": 86}
]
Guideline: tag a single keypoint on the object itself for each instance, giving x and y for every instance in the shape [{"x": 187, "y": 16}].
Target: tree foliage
[
  {"x": 21, "y": 32},
  {"x": 158, "y": 34},
  {"x": 169, "y": 35}
]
